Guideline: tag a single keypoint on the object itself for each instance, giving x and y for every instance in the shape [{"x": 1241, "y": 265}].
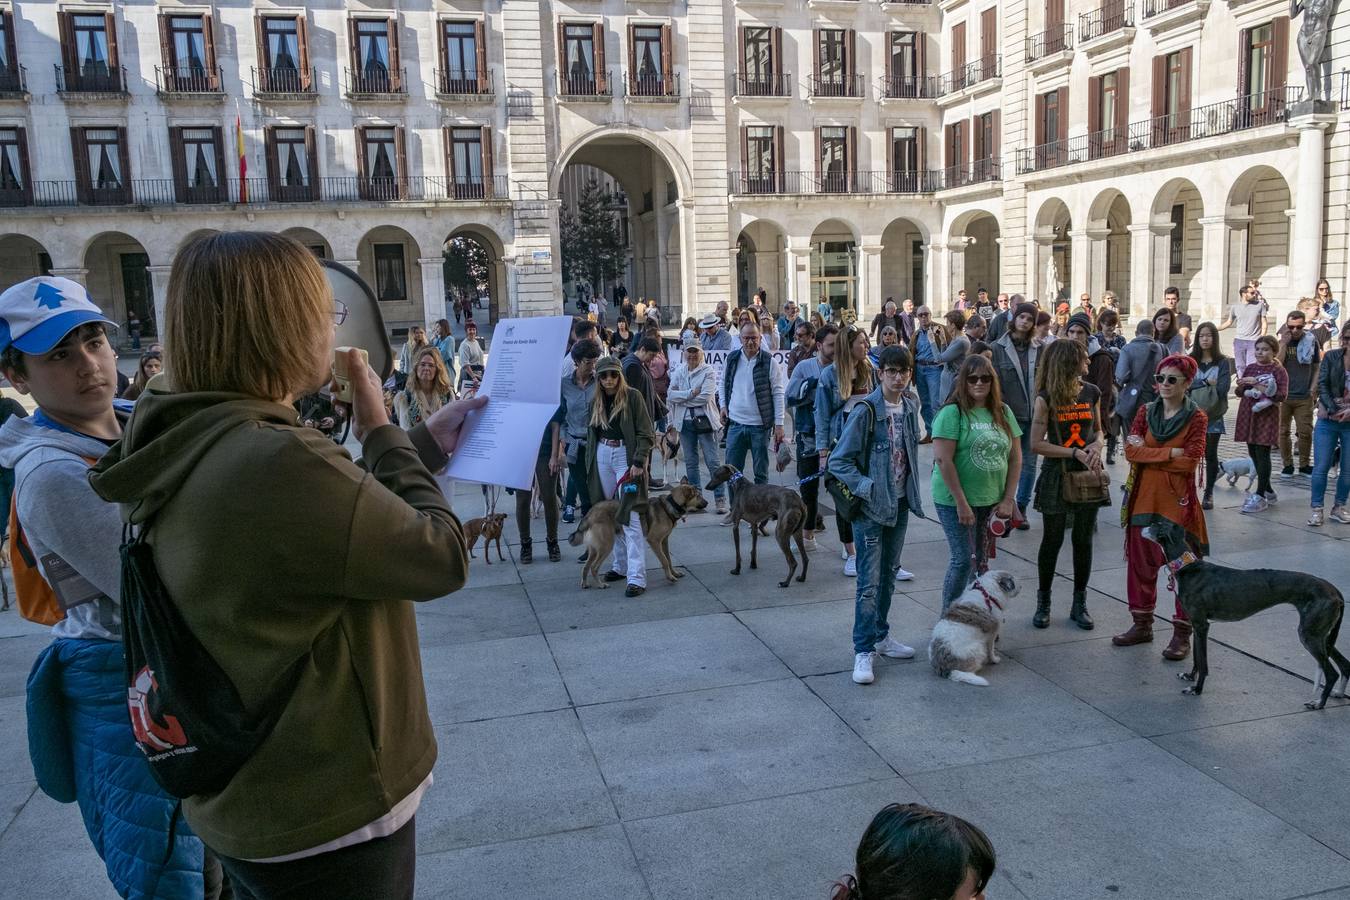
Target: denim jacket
[
  {"x": 877, "y": 487},
  {"x": 829, "y": 410}
]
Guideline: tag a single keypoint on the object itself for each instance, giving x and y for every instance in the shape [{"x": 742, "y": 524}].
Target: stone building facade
[{"x": 847, "y": 149}]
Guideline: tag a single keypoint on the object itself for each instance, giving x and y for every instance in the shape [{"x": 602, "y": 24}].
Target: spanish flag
[{"x": 243, "y": 160}]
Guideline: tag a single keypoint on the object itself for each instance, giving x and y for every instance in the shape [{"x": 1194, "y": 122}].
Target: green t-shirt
[{"x": 982, "y": 454}]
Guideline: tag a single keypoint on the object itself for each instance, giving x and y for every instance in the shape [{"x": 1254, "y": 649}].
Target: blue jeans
[
  {"x": 879, "y": 549},
  {"x": 968, "y": 545},
  {"x": 690, "y": 443},
  {"x": 928, "y": 380},
  {"x": 1326, "y": 436},
  {"x": 755, "y": 439},
  {"x": 1026, "y": 480}
]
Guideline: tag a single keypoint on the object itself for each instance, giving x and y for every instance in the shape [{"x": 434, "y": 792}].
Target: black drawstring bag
[{"x": 186, "y": 714}]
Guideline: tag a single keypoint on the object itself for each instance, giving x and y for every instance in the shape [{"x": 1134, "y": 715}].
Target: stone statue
[
  {"x": 1312, "y": 42},
  {"x": 1052, "y": 284}
]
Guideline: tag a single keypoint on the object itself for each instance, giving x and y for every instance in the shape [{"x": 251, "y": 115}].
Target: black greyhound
[{"x": 1207, "y": 591}]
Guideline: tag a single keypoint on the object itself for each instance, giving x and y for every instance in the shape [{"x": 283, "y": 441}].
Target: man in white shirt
[{"x": 753, "y": 388}]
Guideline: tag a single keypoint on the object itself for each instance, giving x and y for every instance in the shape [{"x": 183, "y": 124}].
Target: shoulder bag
[{"x": 847, "y": 504}]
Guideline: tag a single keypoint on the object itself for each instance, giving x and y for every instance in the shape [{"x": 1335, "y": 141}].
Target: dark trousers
[
  {"x": 1260, "y": 455},
  {"x": 548, "y": 493},
  {"x": 1052, "y": 538},
  {"x": 382, "y": 869},
  {"x": 808, "y": 463},
  {"x": 578, "y": 484},
  {"x": 1211, "y": 461}
]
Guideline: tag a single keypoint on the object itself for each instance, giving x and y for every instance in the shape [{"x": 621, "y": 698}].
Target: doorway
[{"x": 138, "y": 292}]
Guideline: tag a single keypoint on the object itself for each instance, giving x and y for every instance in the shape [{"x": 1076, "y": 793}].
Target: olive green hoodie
[{"x": 274, "y": 546}]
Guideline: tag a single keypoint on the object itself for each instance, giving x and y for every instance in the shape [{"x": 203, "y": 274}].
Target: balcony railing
[
  {"x": 836, "y": 85},
  {"x": 283, "y": 80},
  {"x": 158, "y": 192},
  {"x": 653, "y": 87},
  {"x": 1109, "y": 18},
  {"x": 376, "y": 80},
  {"x": 978, "y": 172},
  {"x": 90, "y": 80},
  {"x": 589, "y": 85},
  {"x": 1211, "y": 120},
  {"x": 909, "y": 87},
  {"x": 971, "y": 74},
  {"x": 464, "y": 82},
  {"x": 14, "y": 80},
  {"x": 798, "y": 182},
  {"x": 1055, "y": 39},
  {"x": 187, "y": 80},
  {"x": 770, "y": 84},
  {"x": 909, "y": 2},
  {"x": 1158, "y": 7}
]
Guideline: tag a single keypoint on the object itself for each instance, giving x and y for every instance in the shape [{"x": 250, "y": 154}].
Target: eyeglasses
[
  {"x": 896, "y": 373},
  {"x": 1167, "y": 379},
  {"x": 979, "y": 379},
  {"x": 923, "y": 315},
  {"x": 339, "y": 312}
]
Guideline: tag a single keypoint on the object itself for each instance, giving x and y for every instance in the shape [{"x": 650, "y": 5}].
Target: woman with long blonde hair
[
  {"x": 843, "y": 385},
  {"x": 619, "y": 440},
  {"x": 427, "y": 390}
]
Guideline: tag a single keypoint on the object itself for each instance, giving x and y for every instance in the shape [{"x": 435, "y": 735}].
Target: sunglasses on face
[
  {"x": 1166, "y": 379},
  {"x": 979, "y": 379},
  {"x": 606, "y": 376}
]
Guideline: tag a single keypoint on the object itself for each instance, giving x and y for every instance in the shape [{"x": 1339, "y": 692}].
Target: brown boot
[
  {"x": 1141, "y": 632},
  {"x": 1180, "y": 646}
]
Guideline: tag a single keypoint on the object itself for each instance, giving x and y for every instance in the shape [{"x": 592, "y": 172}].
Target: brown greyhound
[{"x": 756, "y": 504}]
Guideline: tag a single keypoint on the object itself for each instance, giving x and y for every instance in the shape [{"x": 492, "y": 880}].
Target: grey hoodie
[{"x": 60, "y": 513}]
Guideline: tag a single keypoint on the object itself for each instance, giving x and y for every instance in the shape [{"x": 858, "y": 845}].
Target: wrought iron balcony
[
  {"x": 1109, "y": 18},
  {"x": 90, "y": 79},
  {"x": 909, "y": 87},
  {"x": 463, "y": 83},
  {"x": 1055, "y": 39},
  {"x": 655, "y": 87},
  {"x": 983, "y": 69},
  {"x": 188, "y": 80},
  {"x": 741, "y": 181},
  {"x": 1158, "y": 7},
  {"x": 1211, "y": 120},
  {"x": 591, "y": 85},
  {"x": 376, "y": 82},
  {"x": 836, "y": 86},
  {"x": 13, "y": 81},
  {"x": 769, "y": 84},
  {"x": 283, "y": 80}
]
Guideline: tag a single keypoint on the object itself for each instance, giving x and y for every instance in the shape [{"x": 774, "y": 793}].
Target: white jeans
[{"x": 630, "y": 554}]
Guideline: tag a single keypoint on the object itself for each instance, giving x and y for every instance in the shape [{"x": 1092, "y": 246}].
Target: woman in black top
[{"x": 1066, "y": 431}]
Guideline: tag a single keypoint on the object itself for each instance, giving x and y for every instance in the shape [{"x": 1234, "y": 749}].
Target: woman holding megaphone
[{"x": 271, "y": 545}]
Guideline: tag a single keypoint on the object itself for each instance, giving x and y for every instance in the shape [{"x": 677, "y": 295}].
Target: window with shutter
[
  {"x": 460, "y": 50},
  {"x": 581, "y": 74},
  {"x": 283, "y": 70},
  {"x": 647, "y": 61},
  {"x": 466, "y": 156},
  {"x": 757, "y": 61},
  {"x": 101, "y": 159},
  {"x": 831, "y": 63},
  {"x": 371, "y": 57},
  {"x": 761, "y": 166},
  {"x": 9, "y": 55},
  {"x": 833, "y": 160},
  {"x": 186, "y": 54},
  {"x": 15, "y": 188},
  {"x": 291, "y": 178},
  {"x": 391, "y": 277},
  {"x": 904, "y": 160},
  {"x": 380, "y": 176},
  {"x": 902, "y": 65},
  {"x": 92, "y": 64}
]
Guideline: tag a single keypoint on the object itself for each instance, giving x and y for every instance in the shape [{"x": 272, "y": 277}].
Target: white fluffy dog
[
  {"x": 1233, "y": 469},
  {"x": 963, "y": 639}
]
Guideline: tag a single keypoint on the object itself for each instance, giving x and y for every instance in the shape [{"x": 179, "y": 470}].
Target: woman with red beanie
[{"x": 1165, "y": 446}]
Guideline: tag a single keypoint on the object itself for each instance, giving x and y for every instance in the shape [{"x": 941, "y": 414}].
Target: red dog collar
[{"x": 989, "y": 600}]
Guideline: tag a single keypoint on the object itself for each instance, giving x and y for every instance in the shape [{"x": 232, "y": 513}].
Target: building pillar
[
  {"x": 1098, "y": 240},
  {"x": 956, "y": 273},
  {"x": 76, "y": 274},
  {"x": 1214, "y": 265},
  {"x": 159, "y": 284},
  {"x": 1080, "y": 265},
  {"x": 1043, "y": 250},
  {"x": 939, "y": 275},
  {"x": 734, "y": 291},
  {"x": 663, "y": 280},
  {"x": 799, "y": 277},
  {"x": 1141, "y": 267},
  {"x": 433, "y": 288},
  {"x": 869, "y": 281},
  {"x": 686, "y": 262},
  {"x": 1305, "y": 261}
]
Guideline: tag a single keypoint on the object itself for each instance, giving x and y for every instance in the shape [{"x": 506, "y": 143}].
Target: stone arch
[
  {"x": 902, "y": 264},
  {"x": 833, "y": 268},
  {"x": 1108, "y": 227},
  {"x": 761, "y": 261},
  {"x": 619, "y": 134},
  {"x": 118, "y": 279},
  {"x": 312, "y": 239},
  {"x": 499, "y": 301},
  {"x": 387, "y": 258},
  {"x": 21, "y": 258},
  {"x": 1175, "y": 214},
  {"x": 1261, "y": 198}
]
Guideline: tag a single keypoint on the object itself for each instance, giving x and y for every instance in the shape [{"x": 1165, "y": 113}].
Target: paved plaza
[{"x": 705, "y": 740}]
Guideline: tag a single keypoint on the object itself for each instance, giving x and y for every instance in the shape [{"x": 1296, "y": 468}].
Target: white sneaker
[
  {"x": 894, "y": 649},
  {"x": 851, "y": 567},
  {"x": 903, "y": 574},
  {"x": 810, "y": 545},
  {"x": 1340, "y": 514},
  {"x": 1254, "y": 503},
  {"x": 862, "y": 668},
  {"x": 843, "y": 553},
  {"x": 1272, "y": 498},
  {"x": 1316, "y": 518}
]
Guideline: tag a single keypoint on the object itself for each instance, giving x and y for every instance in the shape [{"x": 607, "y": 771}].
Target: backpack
[
  {"x": 186, "y": 714},
  {"x": 37, "y": 601}
]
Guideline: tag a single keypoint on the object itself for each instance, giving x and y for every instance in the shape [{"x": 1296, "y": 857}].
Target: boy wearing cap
[{"x": 64, "y": 546}]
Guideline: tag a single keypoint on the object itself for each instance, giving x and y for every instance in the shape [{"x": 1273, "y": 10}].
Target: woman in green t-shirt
[{"x": 976, "y": 459}]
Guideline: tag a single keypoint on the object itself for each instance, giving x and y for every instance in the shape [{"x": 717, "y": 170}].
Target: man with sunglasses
[
  {"x": 927, "y": 369},
  {"x": 1300, "y": 353}
]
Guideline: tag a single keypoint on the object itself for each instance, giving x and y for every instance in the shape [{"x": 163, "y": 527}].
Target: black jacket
[{"x": 1331, "y": 379}]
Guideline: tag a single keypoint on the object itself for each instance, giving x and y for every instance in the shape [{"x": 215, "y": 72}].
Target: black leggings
[
  {"x": 1211, "y": 461},
  {"x": 1052, "y": 538},
  {"x": 1260, "y": 455}
]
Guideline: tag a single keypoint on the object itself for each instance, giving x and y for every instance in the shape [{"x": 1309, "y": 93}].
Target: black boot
[
  {"x": 1078, "y": 612},
  {"x": 1110, "y": 450},
  {"x": 1042, "y": 617},
  {"x": 554, "y": 551},
  {"x": 526, "y": 552},
  {"x": 1207, "y": 502}
]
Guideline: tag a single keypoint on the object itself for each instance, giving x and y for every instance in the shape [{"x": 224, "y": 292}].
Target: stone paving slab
[
  {"x": 45, "y": 853},
  {"x": 816, "y": 638},
  {"x": 15, "y": 766},
  {"x": 561, "y": 604},
  {"x": 1130, "y": 820},
  {"x": 480, "y": 614},
  {"x": 683, "y": 752},
  {"x": 16, "y": 661},
  {"x": 491, "y": 679}
]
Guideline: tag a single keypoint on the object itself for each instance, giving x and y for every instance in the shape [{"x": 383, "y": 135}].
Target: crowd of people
[{"x": 1023, "y": 407}]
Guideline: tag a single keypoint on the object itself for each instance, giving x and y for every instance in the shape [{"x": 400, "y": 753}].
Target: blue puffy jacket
[{"x": 81, "y": 745}]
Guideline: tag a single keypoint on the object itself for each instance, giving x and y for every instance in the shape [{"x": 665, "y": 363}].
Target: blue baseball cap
[{"x": 37, "y": 314}]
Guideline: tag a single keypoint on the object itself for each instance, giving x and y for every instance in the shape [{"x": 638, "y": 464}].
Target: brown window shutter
[
  {"x": 64, "y": 21},
  {"x": 820, "y": 169},
  {"x": 741, "y": 68},
  {"x": 949, "y": 140},
  {"x": 209, "y": 42},
  {"x": 1159, "y": 105},
  {"x": 80, "y": 151},
  {"x": 178, "y": 162},
  {"x": 260, "y": 52},
  {"x": 362, "y": 173},
  {"x": 485, "y": 141},
  {"x": 114, "y": 59},
  {"x": 921, "y": 52},
  {"x": 1054, "y": 13},
  {"x": 1094, "y": 105},
  {"x": 448, "y": 142},
  {"x": 1279, "y": 55},
  {"x": 25, "y": 169},
  {"x": 977, "y": 141},
  {"x": 890, "y": 48},
  {"x": 401, "y": 160},
  {"x": 223, "y": 178},
  {"x": 395, "y": 58},
  {"x": 302, "y": 38},
  {"x": 775, "y": 53},
  {"x": 779, "y": 159},
  {"x": 354, "y": 50},
  {"x": 273, "y": 161},
  {"x": 745, "y": 149},
  {"x": 667, "y": 62},
  {"x": 1244, "y": 85},
  {"x": 166, "y": 50},
  {"x": 1122, "y": 123},
  {"x": 11, "y": 50},
  {"x": 1063, "y": 114},
  {"x": 1185, "y": 92},
  {"x": 965, "y": 145},
  {"x": 601, "y": 81},
  {"x": 988, "y": 34},
  {"x": 958, "y": 46},
  {"x": 562, "y": 54},
  {"x": 996, "y": 140},
  {"x": 480, "y": 43},
  {"x": 632, "y": 60},
  {"x": 921, "y": 138},
  {"x": 124, "y": 153},
  {"x": 815, "y": 54},
  {"x": 851, "y": 151},
  {"x": 850, "y": 59},
  {"x": 312, "y": 158},
  {"x": 1038, "y": 126},
  {"x": 443, "y": 81}
]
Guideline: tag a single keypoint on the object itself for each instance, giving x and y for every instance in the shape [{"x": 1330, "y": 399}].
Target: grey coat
[{"x": 1134, "y": 374}]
